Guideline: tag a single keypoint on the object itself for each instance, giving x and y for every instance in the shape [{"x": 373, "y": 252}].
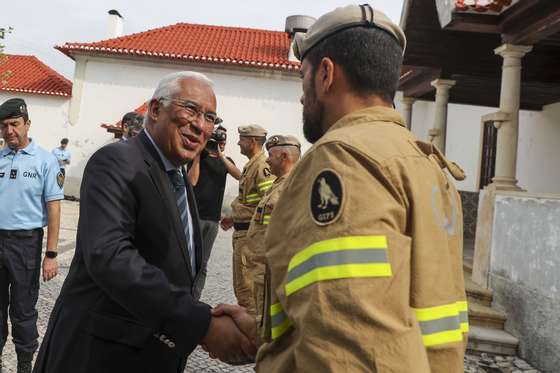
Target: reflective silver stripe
[
  {"x": 360, "y": 256},
  {"x": 463, "y": 316},
  {"x": 277, "y": 319},
  {"x": 439, "y": 325}
]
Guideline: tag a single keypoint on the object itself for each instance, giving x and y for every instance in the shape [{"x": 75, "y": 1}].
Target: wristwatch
[{"x": 50, "y": 254}]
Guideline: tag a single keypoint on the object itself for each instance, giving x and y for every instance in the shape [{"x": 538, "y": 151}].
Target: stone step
[
  {"x": 477, "y": 294},
  {"x": 467, "y": 267},
  {"x": 485, "y": 316},
  {"x": 491, "y": 341}
]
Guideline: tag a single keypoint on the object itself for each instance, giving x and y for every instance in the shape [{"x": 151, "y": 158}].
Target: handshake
[{"x": 232, "y": 335}]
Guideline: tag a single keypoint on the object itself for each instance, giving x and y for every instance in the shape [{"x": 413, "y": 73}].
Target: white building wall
[
  {"x": 49, "y": 117},
  {"x": 538, "y": 150},
  {"x": 112, "y": 88}
]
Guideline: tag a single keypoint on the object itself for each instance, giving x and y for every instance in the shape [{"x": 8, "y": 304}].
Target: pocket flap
[{"x": 117, "y": 329}]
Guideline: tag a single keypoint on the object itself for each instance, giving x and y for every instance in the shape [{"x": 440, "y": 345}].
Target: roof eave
[
  {"x": 108, "y": 52},
  {"x": 37, "y": 92}
]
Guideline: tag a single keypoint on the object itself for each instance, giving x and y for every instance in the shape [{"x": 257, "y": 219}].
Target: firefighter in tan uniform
[
  {"x": 283, "y": 154},
  {"x": 364, "y": 249},
  {"x": 255, "y": 180}
]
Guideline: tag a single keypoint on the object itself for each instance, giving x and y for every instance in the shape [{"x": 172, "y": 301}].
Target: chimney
[
  {"x": 294, "y": 25},
  {"x": 115, "y": 24}
]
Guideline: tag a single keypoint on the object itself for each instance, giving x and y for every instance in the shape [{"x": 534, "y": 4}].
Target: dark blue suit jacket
[{"x": 127, "y": 304}]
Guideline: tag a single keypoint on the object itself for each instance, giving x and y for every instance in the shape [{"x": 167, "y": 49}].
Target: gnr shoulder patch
[
  {"x": 327, "y": 196},
  {"x": 60, "y": 179}
]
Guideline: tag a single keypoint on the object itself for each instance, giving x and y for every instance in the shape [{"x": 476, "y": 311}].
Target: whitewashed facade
[
  {"x": 106, "y": 88},
  {"x": 538, "y": 149}
]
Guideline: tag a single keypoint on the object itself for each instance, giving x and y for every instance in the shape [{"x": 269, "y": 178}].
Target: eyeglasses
[{"x": 194, "y": 110}]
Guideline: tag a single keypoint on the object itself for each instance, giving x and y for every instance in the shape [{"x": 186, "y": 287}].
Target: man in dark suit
[{"x": 127, "y": 304}]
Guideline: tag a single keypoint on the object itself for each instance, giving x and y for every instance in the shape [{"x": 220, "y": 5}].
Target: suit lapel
[{"x": 164, "y": 187}]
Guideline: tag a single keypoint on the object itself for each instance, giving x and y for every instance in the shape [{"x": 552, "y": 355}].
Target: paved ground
[{"x": 218, "y": 290}]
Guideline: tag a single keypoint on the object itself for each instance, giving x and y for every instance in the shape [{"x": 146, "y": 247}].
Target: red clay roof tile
[
  {"x": 29, "y": 75},
  {"x": 482, "y": 5},
  {"x": 198, "y": 43}
]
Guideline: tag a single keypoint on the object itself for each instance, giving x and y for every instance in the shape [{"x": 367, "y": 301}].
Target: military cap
[
  {"x": 252, "y": 130},
  {"x": 13, "y": 108},
  {"x": 341, "y": 19},
  {"x": 281, "y": 140},
  {"x": 132, "y": 119}
]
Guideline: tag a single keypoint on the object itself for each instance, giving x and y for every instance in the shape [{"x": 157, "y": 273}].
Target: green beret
[
  {"x": 13, "y": 108},
  {"x": 341, "y": 19}
]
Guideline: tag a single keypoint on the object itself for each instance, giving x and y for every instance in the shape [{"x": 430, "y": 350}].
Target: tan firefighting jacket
[
  {"x": 255, "y": 180},
  {"x": 364, "y": 256},
  {"x": 258, "y": 227}
]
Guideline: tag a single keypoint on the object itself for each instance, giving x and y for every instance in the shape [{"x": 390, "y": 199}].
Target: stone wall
[{"x": 525, "y": 273}]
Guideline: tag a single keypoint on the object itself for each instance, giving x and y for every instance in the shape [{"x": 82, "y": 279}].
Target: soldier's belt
[
  {"x": 22, "y": 233},
  {"x": 241, "y": 226}
]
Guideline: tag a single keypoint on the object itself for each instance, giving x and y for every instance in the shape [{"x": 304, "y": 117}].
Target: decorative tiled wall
[{"x": 470, "y": 211}]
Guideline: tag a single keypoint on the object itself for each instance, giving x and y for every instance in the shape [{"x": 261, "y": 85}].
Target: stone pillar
[
  {"x": 407, "y": 103},
  {"x": 439, "y": 130},
  {"x": 510, "y": 93}
]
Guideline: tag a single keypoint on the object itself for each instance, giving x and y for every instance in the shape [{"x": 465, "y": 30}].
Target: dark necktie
[{"x": 181, "y": 199}]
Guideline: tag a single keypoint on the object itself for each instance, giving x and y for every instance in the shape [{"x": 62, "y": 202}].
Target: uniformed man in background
[
  {"x": 364, "y": 248},
  {"x": 63, "y": 155},
  {"x": 255, "y": 180},
  {"x": 132, "y": 124},
  {"x": 30, "y": 194},
  {"x": 283, "y": 154}
]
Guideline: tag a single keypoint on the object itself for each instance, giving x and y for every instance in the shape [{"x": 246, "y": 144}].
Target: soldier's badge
[
  {"x": 327, "y": 197},
  {"x": 267, "y": 172},
  {"x": 60, "y": 179}
]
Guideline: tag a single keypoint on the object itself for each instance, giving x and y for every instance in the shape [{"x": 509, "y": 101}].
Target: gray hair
[{"x": 169, "y": 84}]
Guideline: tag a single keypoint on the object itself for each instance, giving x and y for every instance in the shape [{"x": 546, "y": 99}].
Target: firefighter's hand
[
  {"x": 50, "y": 268},
  {"x": 244, "y": 321},
  {"x": 226, "y": 223}
]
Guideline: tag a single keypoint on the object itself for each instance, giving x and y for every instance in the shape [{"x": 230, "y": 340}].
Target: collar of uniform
[
  {"x": 30, "y": 149},
  {"x": 281, "y": 178},
  {"x": 254, "y": 159},
  {"x": 369, "y": 114}
]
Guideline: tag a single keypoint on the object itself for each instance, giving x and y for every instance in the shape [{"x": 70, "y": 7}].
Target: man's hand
[
  {"x": 226, "y": 223},
  {"x": 244, "y": 321},
  {"x": 226, "y": 342},
  {"x": 50, "y": 268}
]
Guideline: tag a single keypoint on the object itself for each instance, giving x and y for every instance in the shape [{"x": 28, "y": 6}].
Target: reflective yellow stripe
[
  {"x": 438, "y": 312},
  {"x": 266, "y": 220},
  {"x": 339, "y": 258},
  {"x": 280, "y": 322},
  {"x": 255, "y": 197},
  {"x": 443, "y": 324},
  {"x": 338, "y": 244},
  {"x": 435, "y": 339},
  {"x": 265, "y": 185},
  {"x": 339, "y": 272}
]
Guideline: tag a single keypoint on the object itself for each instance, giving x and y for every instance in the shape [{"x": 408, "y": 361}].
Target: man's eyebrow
[{"x": 196, "y": 104}]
